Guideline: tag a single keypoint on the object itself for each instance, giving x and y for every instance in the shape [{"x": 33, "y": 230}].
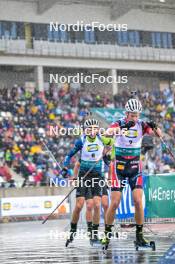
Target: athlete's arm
[
  {"x": 110, "y": 171},
  {"x": 78, "y": 146},
  {"x": 76, "y": 169},
  {"x": 149, "y": 128},
  {"x": 111, "y": 153},
  {"x": 158, "y": 132},
  {"x": 107, "y": 141}
]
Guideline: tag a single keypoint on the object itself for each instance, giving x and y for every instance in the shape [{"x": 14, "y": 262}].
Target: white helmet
[
  {"x": 91, "y": 122},
  {"x": 134, "y": 106}
]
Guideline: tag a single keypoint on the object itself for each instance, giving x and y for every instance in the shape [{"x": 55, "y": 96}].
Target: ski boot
[
  {"x": 141, "y": 242},
  {"x": 72, "y": 234},
  {"x": 89, "y": 229},
  {"x": 105, "y": 243},
  {"x": 94, "y": 235},
  {"x": 108, "y": 234}
]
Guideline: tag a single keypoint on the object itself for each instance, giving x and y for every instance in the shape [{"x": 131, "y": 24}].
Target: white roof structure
[{"x": 118, "y": 7}]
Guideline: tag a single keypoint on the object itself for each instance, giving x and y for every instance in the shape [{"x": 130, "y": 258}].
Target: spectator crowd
[{"x": 26, "y": 116}]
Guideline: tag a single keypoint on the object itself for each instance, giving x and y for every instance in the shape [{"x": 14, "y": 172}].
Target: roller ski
[
  {"x": 105, "y": 244},
  {"x": 94, "y": 240},
  {"x": 70, "y": 238},
  {"x": 142, "y": 243},
  {"x": 108, "y": 234}
]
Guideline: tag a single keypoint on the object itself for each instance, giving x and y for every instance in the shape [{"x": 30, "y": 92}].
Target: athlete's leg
[
  {"x": 139, "y": 216},
  {"x": 115, "y": 201},
  {"x": 137, "y": 193},
  {"x": 75, "y": 217},
  {"x": 110, "y": 215},
  {"x": 116, "y": 194},
  {"x": 96, "y": 215},
  {"x": 79, "y": 202},
  {"x": 139, "y": 212},
  {"x": 96, "y": 191},
  {"x": 136, "y": 184},
  {"x": 78, "y": 207},
  {"x": 89, "y": 211},
  {"x": 104, "y": 202},
  {"x": 80, "y": 194}
]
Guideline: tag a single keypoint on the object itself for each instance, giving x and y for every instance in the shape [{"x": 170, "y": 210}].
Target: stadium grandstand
[{"x": 30, "y": 52}]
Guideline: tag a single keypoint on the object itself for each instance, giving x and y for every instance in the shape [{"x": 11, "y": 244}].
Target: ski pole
[
  {"x": 50, "y": 153},
  {"x": 58, "y": 205},
  {"x": 166, "y": 146},
  {"x": 84, "y": 176}
]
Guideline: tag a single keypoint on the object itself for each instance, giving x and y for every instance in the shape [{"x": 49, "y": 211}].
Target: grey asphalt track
[{"x": 32, "y": 242}]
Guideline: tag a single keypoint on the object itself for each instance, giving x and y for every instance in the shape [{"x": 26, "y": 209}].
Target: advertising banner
[
  {"x": 160, "y": 196},
  {"x": 36, "y": 205}
]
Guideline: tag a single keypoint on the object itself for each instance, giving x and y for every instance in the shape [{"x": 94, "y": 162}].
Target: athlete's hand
[
  {"x": 64, "y": 172},
  {"x": 152, "y": 124},
  {"x": 128, "y": 125}
]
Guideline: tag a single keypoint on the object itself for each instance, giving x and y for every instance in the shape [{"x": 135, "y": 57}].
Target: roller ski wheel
[
  {"x": 153, "y": 245},
  {"x": 105, "y": 245},
  {"x": 150, "y": 244},
  {"x": 105, "y": 248}
]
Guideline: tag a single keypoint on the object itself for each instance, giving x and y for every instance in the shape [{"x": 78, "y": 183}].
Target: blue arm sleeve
[{"x": 78, "y": 146}]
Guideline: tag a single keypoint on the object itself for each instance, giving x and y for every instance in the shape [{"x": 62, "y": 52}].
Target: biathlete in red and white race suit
[{"x": 127, "y": 165}]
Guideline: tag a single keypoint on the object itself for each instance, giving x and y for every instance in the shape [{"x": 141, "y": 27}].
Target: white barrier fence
[
  {"x": 33, "y": 206},
  {"x": 108, "y": 51}
]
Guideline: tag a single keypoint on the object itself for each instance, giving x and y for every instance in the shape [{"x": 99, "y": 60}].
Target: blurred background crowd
[{"x": 26, "y": 116}]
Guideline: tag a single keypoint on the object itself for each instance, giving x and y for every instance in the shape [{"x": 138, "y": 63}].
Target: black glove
[
  {"x": 152, "y": 124},
  {"x": 64, "y": 172},
  {"x": 128, "y": 125}
]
